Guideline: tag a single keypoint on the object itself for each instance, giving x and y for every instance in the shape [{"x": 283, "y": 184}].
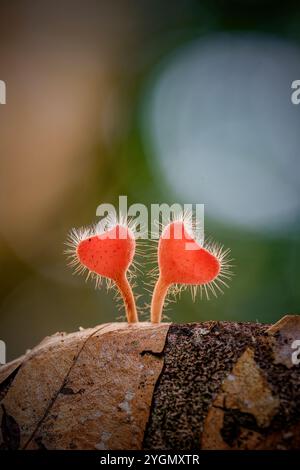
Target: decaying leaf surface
[
  {"x": 209, "y": 385},
  {"x": 259, "y": 409},
  {"x": 258, "y": 405},
  {"x": 111, "y": 388},
  {"x": 246, "y": 391},
  {"x": 40, "y": 376},
  {"x": 92, "y": 389},
  {"x": 282, "y": 335},
  {"x": 8, "y": 369},
  {"x": 198, "y": 357}
]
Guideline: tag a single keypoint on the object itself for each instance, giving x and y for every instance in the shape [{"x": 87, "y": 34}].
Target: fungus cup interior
[
  {"x": 182, "y": 260},
  {"x": 109, "y": 254}
]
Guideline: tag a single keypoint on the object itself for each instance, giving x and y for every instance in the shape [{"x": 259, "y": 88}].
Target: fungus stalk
[
  {"x": 128, "y": 298},
  {"x": 158, "y": 300}
]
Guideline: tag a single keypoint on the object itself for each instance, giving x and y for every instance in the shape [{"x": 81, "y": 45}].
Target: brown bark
[{"x": 210, "y": 385}]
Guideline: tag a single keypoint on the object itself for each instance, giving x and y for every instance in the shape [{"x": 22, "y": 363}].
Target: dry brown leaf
[
  {"x": 91, "y": 390},
  {"x": 120, "y": 386},
  {"x": 41, "y": 375}
]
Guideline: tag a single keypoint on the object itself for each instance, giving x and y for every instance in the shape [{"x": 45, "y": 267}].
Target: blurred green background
[{"x": 182, "y": 101}]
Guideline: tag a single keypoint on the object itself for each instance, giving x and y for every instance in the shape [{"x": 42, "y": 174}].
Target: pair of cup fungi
[{"x": 109, "y": 252}]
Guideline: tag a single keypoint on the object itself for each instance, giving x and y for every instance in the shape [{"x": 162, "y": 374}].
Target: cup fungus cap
[
  {"x": 182, "y": 260},
  {"x": 105, "y": 254},
  {"x": 109, "y": 254}
]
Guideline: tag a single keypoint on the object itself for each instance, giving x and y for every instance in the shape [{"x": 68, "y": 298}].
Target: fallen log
[{"x": 210, "y": 385}]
